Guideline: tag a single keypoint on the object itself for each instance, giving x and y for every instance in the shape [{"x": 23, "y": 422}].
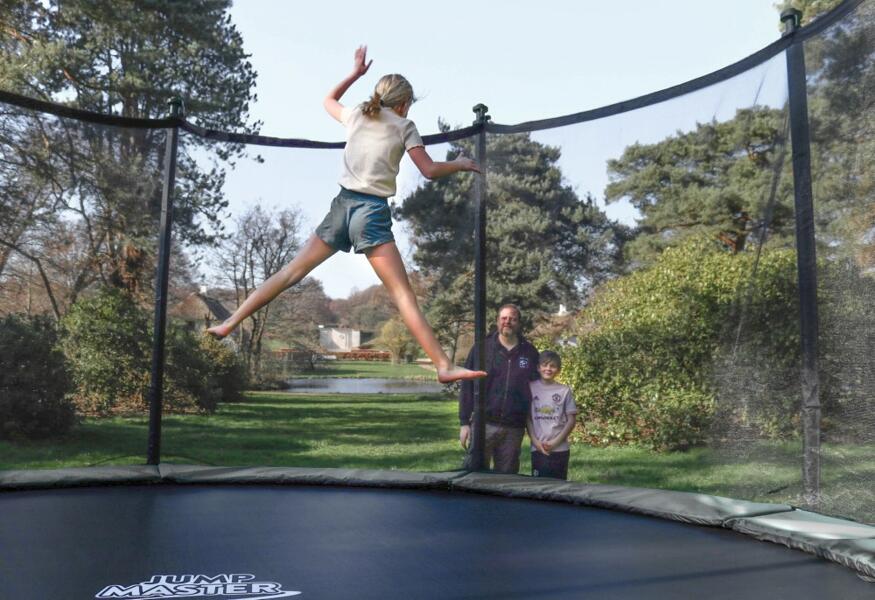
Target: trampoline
[
  {"x": 178, "y": 531},
  {"x": 174, "y": 531}
]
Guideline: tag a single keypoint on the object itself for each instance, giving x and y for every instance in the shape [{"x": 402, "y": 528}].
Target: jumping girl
[{"x": 377, "y": 135}]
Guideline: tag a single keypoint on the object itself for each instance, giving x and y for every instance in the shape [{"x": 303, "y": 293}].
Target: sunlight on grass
[
  {"x": 366, "y": 369},
  {"x": 420, "y": 433}
]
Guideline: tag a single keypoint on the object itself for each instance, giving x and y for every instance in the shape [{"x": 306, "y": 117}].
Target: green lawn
[
  {"x": 420, "y": 433},
  {"x": 359, "y": 369}
]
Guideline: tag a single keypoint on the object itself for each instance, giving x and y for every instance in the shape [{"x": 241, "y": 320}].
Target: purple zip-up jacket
[{"x": 508, "y": 396}]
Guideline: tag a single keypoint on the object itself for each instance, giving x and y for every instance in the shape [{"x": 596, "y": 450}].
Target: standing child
[
  {"x": 550, "y": 420},
  {"x": 378, "y": 133}
]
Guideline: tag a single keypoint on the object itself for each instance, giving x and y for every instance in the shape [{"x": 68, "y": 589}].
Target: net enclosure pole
[
  {"x": 806, "y": 259},
  {"x": 477, "y": 461},
  {"x": 156, "y": 384}
]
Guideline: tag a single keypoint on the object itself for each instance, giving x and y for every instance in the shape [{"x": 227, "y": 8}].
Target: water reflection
[{"x": 363, "y": 386}]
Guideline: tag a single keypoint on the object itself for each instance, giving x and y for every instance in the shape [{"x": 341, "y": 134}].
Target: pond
[{"x": 363, "y": 386}]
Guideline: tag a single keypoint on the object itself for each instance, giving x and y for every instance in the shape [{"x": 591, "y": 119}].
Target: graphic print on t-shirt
[
  {"x": 545, "y": 411},
  {"x": 552, "y": 407}
]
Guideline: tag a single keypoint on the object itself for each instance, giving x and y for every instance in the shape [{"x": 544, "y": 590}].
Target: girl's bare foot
[
  {"x": 220, "y": 331},
  {"x": 454, "y": 373}
]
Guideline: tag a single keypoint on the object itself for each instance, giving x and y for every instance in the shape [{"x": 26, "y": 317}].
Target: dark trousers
[
  {"x": 553, "y": 465},
  {"x": 502, "y": 449}
]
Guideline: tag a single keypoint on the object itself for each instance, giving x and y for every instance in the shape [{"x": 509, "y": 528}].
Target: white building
[{"x": 339, "y": 339}]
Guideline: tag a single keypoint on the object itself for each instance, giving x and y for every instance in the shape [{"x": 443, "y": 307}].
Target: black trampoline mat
[{"x": 335, "y": 542}]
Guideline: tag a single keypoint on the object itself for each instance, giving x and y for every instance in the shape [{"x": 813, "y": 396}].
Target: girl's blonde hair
[{"x": 391, "y": 91}]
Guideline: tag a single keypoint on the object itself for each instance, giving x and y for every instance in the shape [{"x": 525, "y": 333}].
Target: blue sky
[{"x": 524, "y": 60}]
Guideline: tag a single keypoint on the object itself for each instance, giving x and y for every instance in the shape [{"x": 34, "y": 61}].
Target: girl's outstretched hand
[
  {"x": 362, "y": 64},
  {"x": 452, "y": 373},
  {"x": 466, "y": 164}
]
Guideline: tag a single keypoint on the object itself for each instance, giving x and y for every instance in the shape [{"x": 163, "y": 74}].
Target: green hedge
[
  {"x": 107, "y": 341},
  {"x": 33, "y": 380},
  {"x": 657, "y": 359},
  {"x": 201, "y": 371}
]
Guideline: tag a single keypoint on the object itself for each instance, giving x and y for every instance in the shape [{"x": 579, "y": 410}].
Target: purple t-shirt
[{"x": 552, "y": 406}]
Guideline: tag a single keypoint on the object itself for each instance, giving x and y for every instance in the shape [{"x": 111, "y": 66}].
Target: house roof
[{"x": 197, "y": 307}]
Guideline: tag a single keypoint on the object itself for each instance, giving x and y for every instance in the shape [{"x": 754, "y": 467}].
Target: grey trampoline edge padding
[
  {"x": 687, "y": 507},
  {"x": 78, "y": 476},
  {"x": 845, "y": 542},
  {"x": 306, "y": 476}
]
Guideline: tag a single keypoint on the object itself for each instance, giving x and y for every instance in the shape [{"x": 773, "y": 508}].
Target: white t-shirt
[
  {"x": 552, "y": 406},
  {"x": 374, "y": 148}
]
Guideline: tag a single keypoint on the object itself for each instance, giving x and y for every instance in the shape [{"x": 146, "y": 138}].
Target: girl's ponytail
[
  {"x": 371, "y": 108},
  {"x": 391, "y": 91}
]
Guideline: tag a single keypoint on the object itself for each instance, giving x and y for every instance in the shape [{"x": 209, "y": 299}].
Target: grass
[
  {"x": 359, "y": 369},
  {"x": 420, "y": 433}
]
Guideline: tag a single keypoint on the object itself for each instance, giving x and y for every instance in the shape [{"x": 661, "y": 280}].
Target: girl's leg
[
  {"x": 387, "y": 264},
  {"x": 314, "y": 252}
]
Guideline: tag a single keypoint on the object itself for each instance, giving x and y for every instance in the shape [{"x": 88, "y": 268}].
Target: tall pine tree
[{"x": 545, "y": 245}]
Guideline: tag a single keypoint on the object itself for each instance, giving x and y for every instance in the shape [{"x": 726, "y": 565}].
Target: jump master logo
[{"x": 239, "y": 586}]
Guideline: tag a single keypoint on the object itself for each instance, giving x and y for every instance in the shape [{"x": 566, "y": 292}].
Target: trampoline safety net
[{"x": 667, "y": 226}]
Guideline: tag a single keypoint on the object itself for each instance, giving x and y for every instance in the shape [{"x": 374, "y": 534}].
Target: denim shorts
[{"x": 358, "y": 221}]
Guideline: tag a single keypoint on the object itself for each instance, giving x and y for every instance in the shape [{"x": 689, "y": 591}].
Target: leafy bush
[
  {"x": 227, "y": 370},
  {"x": 200, "y": 372},
  {"x": 656, "y": 347},
  {"x": 33, "y": 380},
  {"x": 106, "y": 341}
]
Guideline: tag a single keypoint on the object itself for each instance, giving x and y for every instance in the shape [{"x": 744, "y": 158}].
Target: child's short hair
[{"x": 548, "y": 356}]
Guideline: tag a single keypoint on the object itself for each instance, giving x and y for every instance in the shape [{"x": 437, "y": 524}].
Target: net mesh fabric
[
  {"x": 841, "y": 89},
  {"x": 80, "y": 205}
]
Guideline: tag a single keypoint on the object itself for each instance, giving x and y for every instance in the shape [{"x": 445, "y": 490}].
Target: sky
[{"x": 525, "y": 61}]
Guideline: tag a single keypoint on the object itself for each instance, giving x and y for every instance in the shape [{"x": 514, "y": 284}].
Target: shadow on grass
[
  {"x": 374, "y": 431},
  {"x": 419, "y": 433},
  {"x": 260, "y": 398}
]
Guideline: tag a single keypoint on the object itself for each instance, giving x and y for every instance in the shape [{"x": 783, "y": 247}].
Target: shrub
[
  {"x": 33, "y": 380},
  {"x": 106, "y": 341},
  {"x": 108, "y": 344},
  {"x": 227, "y": 370},
  {"x": 187, "y": 384},
  {"x": 657, "y": 356},
  {"x": 200, "y": 372}
]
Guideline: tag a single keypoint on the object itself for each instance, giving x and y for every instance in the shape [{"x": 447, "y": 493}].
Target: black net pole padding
[
  {"x": 257, "y": 140},
  {"x": 264, "y": 140},
  {"x": 806, "y": 262},
  {"x": 478, "y": 460},
  {"x": 156, "y": 385},
  {"x": 87, "y": 116}
]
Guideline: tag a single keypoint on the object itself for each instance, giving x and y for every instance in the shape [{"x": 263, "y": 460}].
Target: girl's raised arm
[{"x": 360, "y": 67}]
